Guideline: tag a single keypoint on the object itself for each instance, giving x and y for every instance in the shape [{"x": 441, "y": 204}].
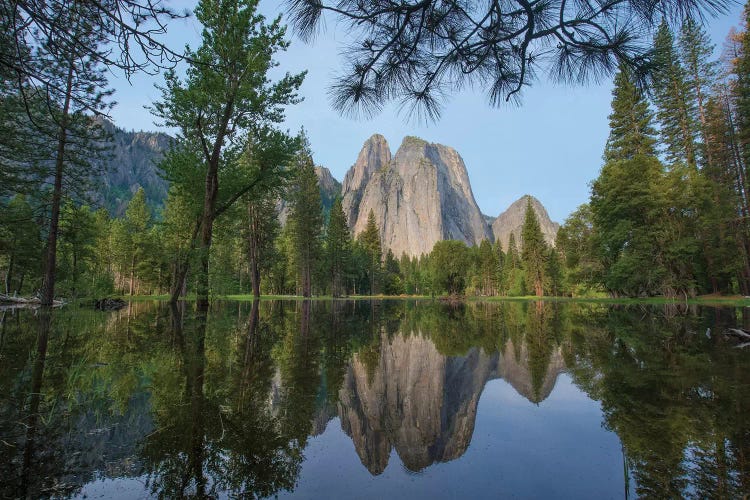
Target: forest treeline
[{"x": 668, "y": 213}]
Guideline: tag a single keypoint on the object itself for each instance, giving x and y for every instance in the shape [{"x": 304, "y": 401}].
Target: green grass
[{"x": 705, "y": 300}]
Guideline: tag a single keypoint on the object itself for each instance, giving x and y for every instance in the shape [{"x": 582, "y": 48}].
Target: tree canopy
[{"x": 415, "y": 52}]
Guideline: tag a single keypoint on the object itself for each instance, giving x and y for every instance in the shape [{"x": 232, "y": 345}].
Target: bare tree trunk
[{"x": 48, "y": 286}]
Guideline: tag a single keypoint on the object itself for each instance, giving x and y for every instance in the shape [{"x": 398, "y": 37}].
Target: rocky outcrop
[
  {"x": 374, "y": 156},
  {"x": 132, "y": 164},
  {"x": 419, "y": 198},
  {"x": 511, "y": 221}
]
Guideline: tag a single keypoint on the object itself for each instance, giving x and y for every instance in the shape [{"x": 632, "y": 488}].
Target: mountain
[
  {"x": 511, "y": 221},
  {"x": 419, "y": 197},
  {"x": 132, "y": 164},
  {"x": 374, "y": 156}
]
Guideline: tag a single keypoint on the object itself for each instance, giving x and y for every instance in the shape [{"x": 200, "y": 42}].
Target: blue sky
[{"x": 550, "y": 146}]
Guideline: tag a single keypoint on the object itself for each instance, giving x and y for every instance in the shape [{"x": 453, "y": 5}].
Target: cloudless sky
[{"x": 550, "y": 146}]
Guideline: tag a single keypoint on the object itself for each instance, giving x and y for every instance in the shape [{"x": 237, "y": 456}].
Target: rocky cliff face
[
  {"x": 420, "y": 197},
  {"x": 132, "y": 165},
  {"x": 511, "y": 221},
  {"x": 374, "y": 156}
]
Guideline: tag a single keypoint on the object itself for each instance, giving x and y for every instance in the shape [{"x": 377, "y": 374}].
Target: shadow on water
[{"x": 226, "y": 400}]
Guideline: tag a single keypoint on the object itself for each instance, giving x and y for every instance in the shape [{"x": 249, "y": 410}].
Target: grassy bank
[{"x": 716, "y": 300}]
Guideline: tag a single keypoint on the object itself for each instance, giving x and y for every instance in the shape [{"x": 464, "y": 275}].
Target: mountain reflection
[{"x": 197, "y": 405}]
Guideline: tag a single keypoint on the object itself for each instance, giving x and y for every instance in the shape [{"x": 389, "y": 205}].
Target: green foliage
[
  {"x": 674, "y": 101},
  {"x": 449, "y": 262},
  {"x": 534, "y": 253},
  {"x": 369, "y": 240},
  {"x": 630, "y": 123},
  {"x": 306, "y": 223},
  {"x": 338, "y": 249}
]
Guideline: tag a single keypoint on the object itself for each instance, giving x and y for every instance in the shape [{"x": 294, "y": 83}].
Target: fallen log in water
[
  {"x": 736, "y": 332},
  {"x": 27, "y": 302}
]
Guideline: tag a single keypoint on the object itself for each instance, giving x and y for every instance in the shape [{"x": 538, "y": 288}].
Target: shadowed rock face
[
  {"x": 511, "y": 221},
  {"x": 421, "y": 197}
]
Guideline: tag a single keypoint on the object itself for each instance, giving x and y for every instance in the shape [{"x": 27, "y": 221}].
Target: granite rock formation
[
  {"x": 511, "y": 221},
  {"x": 132, "y": 164},
  {"x": 420, "y": 197}
]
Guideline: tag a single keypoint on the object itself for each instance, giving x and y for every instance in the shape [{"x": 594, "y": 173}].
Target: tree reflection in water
[{"x": 225, "y": 400}]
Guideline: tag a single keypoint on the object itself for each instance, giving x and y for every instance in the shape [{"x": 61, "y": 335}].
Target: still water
[{"x": 374, "y": 400}]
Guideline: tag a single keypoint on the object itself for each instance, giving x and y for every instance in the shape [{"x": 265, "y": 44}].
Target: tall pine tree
[
  {"x": 370, "y": 241},
  {"x": 534, "y": 251},
  {"x": 306, "y": 222},
  {"x": 338, "y": 248}
]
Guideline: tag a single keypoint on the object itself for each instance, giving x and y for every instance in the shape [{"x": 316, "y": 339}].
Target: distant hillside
[{"x": 133, "y": 165}]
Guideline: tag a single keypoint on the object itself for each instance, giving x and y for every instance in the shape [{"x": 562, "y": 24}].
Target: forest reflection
[{"x": 227, "y": 402}]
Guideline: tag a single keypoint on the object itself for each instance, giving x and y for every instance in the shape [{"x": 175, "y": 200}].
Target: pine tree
[
  {"x": 75, "y": 88},
  {"x": 138, "y": 221},
  {"x": 306, "y": 222},
  {"x": 626, "y": 199},
  {"x": 261, "y": 231},
  {"x": 674, "y": 101},
  {"x": 630, "y": 123},
  {"x": 338, "y": 248},
  {"x": 488, "y": 268},
  {"x": 701, "y": 73},
  {"x": 742, "y": 88},
  {"x": 554, "y": 273},
  {"x": 534, "y": 251},
  {"x": 370, "y": 240},
  {"x": 513, "y": 279}
]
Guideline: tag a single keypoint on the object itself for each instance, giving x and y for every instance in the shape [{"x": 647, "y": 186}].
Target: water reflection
[{"x": 226, "y": 401}]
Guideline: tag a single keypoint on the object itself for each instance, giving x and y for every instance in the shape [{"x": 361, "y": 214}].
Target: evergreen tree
[
  {"x": 138, "y": 221},
  {"x": 555, "y": 283},
  {"x": 626, "y": 201},
  {"x": 627, "y": 212},
  {"x": 630, "y": 123},
  {"x": 75, "y": 88},
  {"x": 20, "y": 244},
  {"x": 674, "y": 101},
  {"x": 370, "y": 240},
  {"x": 534, "y": 252},
  {"x": 513, "y": 276},
  {"x": 741, "y": 70},
  {"x": 488, "y": 268},
  {"x": 577, "y": 242},
  {"x": 338, "y": 248},
  {"x": 392, "y": 278},
  {"x": 701, "y": 73},
  {"x": 500, "y": 258},
  {"x": 306, "y": 222},
  {"x": 449, "y": 263},
  {"x": 261, "y": 231}
]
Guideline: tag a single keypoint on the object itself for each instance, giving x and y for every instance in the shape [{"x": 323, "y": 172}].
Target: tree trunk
[
  {"x": 9, "y": 274},
  {"x": 48, "y": 287},
  {"x": 255, "y": 277}
]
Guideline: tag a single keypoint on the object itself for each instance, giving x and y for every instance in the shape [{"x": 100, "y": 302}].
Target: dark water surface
[{"x": 374, "y": 400}]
